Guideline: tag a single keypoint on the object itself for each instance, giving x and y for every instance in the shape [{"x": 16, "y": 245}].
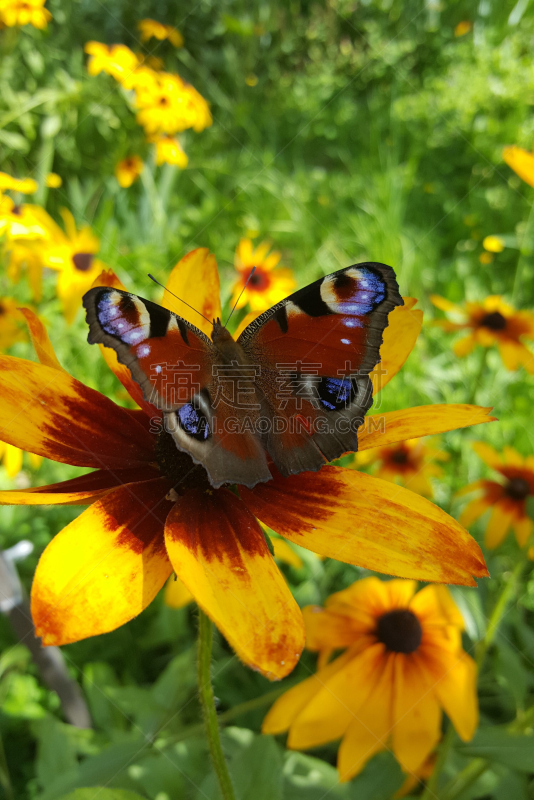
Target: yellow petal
[
  {"x": 473, "y": 511},
  {"x": 434, "y": 605},
  {"x": 453, "y": 677},
  {"x": 283, "y": 552},
  {"x": 327, "y": 630},
  {"x": 488, "y": 454},
  {"x": 523, "y": 529},
  {"x": 177, "y": 595},
  {"x": 219, "y": 551},
  {"x": 338, "y": 701},
  {"x": 353, "y": 517},
  {"x": 409, "y": 423},
  {"x": 499, "y": 524},
  {"x": 105, "y": 567},
  {"x": 12, "y": 460},
  {"x": 369, "y": 731},
  {"x": 417, "y": 715},
  {"x": 464, "y": 346},
  {"x": 400, "y": 336},
  {"x": 445, "y": 305},
  {"x": 40, "y": 340},
  {"x": 195, "y": 279},
  {"x": 521, "y": 161},
  {"x": 285, "y": 710}
]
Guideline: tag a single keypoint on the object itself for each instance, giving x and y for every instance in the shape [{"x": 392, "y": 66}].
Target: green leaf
[
  {"x": 309, "y": 778},
  {"x": 379, "y": 780},
  {"x": 510, "y": 669},
  {"x": 99, "y": 680},
  {"x": 15, "y": 141},
  {"x": 56, "y": 753},
  {"x": 497, "y": 744},
  {"x": 103, "y": 794}
]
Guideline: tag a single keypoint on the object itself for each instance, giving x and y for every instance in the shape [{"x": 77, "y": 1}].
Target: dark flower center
[
  {"x": 399, "y": 457},
  {"x": 494, "y": 321},
  {"x": 179, "y": 467},
  {"x": 2, "y": 309},
  {"x": 517, "y": 488},
  {"x": 163, "y": 101},
  {"x": 259, "y": 280},
  {"x": 17, "y": 211},
  {"x": 82, "y": 261},
  {"x": 400, "y": 631}
]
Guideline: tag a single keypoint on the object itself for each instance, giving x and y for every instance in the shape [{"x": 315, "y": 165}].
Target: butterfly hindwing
[{"x": 315, "y": 350}]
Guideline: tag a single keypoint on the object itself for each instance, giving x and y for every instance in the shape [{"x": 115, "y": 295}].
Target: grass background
[{"x": 371, "y": 133}]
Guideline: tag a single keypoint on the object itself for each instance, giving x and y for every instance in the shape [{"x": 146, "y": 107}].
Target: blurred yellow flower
[
  {"x": 11, "y": 459},
  {"x": 507, "y": 500},
  {"x": 24, "y": 12},
  {"x": 521, "y": 161},
  {"x": 169, "y": 151},
  {"x": 24, "y": 256},
  {"x": 53, "y": 180},
  {"x": 491, "y": 322},
  {"x": 267, "y": 286},
  {"x": 116, "y": 60},
  {"x": 403, "y": 663},
  {"x": 410, "y": 463},
  {"x": 24, "y": 185},
  {"x": 24, "y": 221},
  {"x": 11, "y": 328},
  {"x": 493, "y": 244},
  {"x": 151, "y": 28},
  {"x": 166, "y": 104},
  {"x": 251, "y": 80},
  {"x": 485, "y": 257},
  {"x": 128, "y": 170},
  {"x": 463, "y": 27}
]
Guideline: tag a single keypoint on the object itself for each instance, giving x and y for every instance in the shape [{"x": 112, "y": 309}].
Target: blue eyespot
[
  {"x": 193, "y": 421},
  {"x": 336, "y": 393}
]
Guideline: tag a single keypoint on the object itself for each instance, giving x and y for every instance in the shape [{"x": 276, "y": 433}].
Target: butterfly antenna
[
  {"x": 252, "y": 271},
  {"x": 152, "y": 278}
]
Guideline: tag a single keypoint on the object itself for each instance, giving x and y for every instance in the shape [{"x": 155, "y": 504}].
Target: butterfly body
[{"x": 292, "y": 390}]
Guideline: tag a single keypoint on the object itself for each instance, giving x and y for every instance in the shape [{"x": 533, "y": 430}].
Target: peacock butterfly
[{"x": 293, "y": 388}]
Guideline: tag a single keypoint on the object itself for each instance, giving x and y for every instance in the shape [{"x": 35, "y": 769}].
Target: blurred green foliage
[{"x": 371, "y": 132}]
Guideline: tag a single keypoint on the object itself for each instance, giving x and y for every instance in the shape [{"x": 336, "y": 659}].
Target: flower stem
[
  {"x": 465, "y": 778},
  {"x": 207, "y": 702},
  {"x": 498, "y": 612},
  {"x": 479, "y": 376},
  {"x": 524, "y": 252},
  {"x": 444, "y": 749}
]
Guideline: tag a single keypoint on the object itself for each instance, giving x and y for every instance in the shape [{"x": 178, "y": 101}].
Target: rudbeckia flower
[
  {"x": 12, "y": 459},
  {"x": 521, "y": 161},
  {"x": 53, "y": 180},
  {"x": 128, "y": 170},
  {"x": 492, "y": 322},
  {"x": 152, "y": 511},
  {"x": 24, "y": 12},
  {"x": 116, "y": 60},
  {"x": 151, "y": 28},
  {"x": 268, "y": 285},
  {"x": 166, "y": 104},
  {"x": 403, "y": 663},
  {"x": 72, "y": 252},
  {"x": 169, "y": 151},
  {"x": 494, "y": 244},
  {"x": 506, "y": 498},
  {"x": 24, "y": 221},
  {"x": 411, "y": 463},
  {"x": 22, "y": 185}
]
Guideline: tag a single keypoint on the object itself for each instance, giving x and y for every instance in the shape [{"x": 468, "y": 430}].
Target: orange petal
[
  {"x": 464, "y": 346},
  {"x": 369, "y": 732},
  {"x": 409, "y": 423},
  {"x": 195, "y": 279},
  {"x": 177, "y": 595},
  {"x": 45, "y": 411},
  {"x": 326, "y": 630},
  {"x": 472, "y": 487},
  {"x": 521, "y": 161},
  {"x": 488, "y": 454},
  {"x": 287, "y": 708},
  {"x": 353, "y": 517},
  {"x": 523, "y": 529},
  {"x": 499, "y": 523},
  {"x": 417, "y": 715},
  {"x": 78, "y": 491},
  {"x": 108, "y": 278},
  {"x": 285, "y": 553},
  {"x": 40, "y": 339},
  {"x": 473, "y": 511},
  {"x": 219, "y": 551},
  {"x": 445, "y": 305},
  {"x": 400, "y": 336},
  {"x": 105, "y": 567}
]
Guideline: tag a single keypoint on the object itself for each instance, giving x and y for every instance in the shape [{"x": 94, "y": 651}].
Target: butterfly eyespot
[
  {"x": 336, "y": 393},
  {"x": 194, "y": 422}
]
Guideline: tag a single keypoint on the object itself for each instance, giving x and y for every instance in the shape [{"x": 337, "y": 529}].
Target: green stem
[
  {"x": 207, "y": 702},
  {"x": 523, "y": 255},
  {"x": 444, "y": 749},
  {"x": 498, "y": 612},
  {"x": 464, "y": 779},
  {"x": 5, "y": 780},
  {"x": 479, "y": 376}
]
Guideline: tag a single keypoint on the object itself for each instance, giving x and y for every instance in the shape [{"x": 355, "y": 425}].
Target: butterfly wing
[
  {"x": 175, "y": 364},
  {"x": 314, "y": 352}
]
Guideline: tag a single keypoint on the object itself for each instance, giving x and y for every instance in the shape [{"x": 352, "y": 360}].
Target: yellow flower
[
  {"x": 491, "y": 322},
  {"x": 72, "y": 253},
  {"x": 12, "y": 459},
  {"x": 411, "y": 463},
  {"x": 53, "y": 180},
  {"x": 485, "y": 258},
  {"x": 169, "y": 151},
  {"x": 11, "y": 329},
  {"x": 166, "y": 104},
  {"x": 463, "y": 27},
  {"x": 116, "y": 60},
  {"x": 24, "y": 186},
  {"x": 151, "y": 28},
  {"x": 507, "y": 499},
  {"x": 521, "y": 161},
  {"x": 26, "y": 257},
  {"x": 402, "y": 665},
  {"x": 493, "y": 244},
  {"x": 24, "y": 12},
  {"x": 128, "y": 170},
  {"x": 267, "y": 286}
]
